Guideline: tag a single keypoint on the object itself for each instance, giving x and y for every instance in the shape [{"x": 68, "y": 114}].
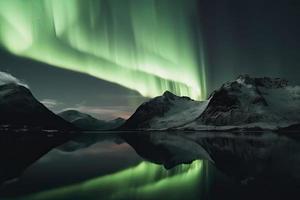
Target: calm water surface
[{"x": 157, "y": 165}]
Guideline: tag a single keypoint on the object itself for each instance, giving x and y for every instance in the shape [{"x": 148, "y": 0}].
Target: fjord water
[{"x": 144, "y": 165}]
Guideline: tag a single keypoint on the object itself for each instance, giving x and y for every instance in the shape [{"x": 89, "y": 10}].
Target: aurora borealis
[
  {"x": 144, "y": 181},
  {"x": 114, "y": 54},
  {"x": 147, "y": 46},
  {"x": 106, "y": 58}
]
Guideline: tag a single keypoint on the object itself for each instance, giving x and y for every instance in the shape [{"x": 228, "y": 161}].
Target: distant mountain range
[
  {"x": 245, "y": 103},
  {"x": 20, "y": 109},
  {"x": 87, "y": 122}
]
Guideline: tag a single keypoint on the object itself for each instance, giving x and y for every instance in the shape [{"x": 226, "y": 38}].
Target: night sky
[
  {"x": 106, "y": 57},
  {"x": 257, "y": 37}
]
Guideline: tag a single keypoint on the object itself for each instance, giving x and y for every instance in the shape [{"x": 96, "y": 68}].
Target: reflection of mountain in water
[
  {"x": 239, "y": 156},
  {"x": 166, "y": 149},
  {"x": 248, "y": 167},
  {"x": 20, "y": 150},
  {"x": 144, "y": 181},
  {"x": 261, "y": 163}
]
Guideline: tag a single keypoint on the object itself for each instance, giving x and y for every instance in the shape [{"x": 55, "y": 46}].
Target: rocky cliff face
[{"x": 261, "y": 101}]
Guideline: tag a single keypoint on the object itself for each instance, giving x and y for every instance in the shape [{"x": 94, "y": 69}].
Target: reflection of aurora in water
[
  {"x": 144, "y": 181},
  {"x": 148, "y": 46}
]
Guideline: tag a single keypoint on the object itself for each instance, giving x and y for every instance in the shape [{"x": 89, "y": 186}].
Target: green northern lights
[
  {"x": 144, "y": 45},
  {"x": 144, "y": 181}
]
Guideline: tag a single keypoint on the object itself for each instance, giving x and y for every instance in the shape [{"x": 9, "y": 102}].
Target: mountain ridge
[
  {"x": 245, "y": 103},
  {"x": 87, "y": 122},
  {"x": 159, "y": 112}
]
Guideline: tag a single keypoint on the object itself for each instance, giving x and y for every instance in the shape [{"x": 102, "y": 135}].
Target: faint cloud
[{"x": 50, "y": 103}]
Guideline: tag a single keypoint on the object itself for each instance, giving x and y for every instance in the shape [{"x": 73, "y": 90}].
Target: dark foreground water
[{"x": 157, "y": 165}]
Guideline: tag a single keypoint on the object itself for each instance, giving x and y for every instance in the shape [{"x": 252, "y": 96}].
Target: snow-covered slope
[
  {"x": 267, "y": 103},
  {"x": 245, "y": 103},
  {"x": 166, "y": 111},
  {"x": 87, "y": 122}
]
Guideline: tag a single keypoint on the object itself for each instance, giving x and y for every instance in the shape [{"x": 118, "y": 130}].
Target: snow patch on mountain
[
  {"x": 6, "y": 78},
  {"x": 164, "y": 112},
  {"x": 266, "y": 103},
  {"x": 181, "y": 112}
]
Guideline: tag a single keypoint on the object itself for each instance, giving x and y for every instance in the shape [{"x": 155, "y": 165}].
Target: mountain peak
[
  {"x": 244, "y": 102},
  {"x": 162, "y": 112},
  {"x": 245, "y": 78},
  {"x": 74, "y": 115},
  {"x": 118, "y": 119},
  {"x": 266, "y": 82},
  {"x": 169, "y": 94},
  {"x": 20, "y": 108},
  {"x": 249, "y": 100},
  {"x": 87, "y": 122}
]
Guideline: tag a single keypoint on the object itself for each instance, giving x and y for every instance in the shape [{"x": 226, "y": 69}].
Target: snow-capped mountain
[
  {"x": 264, "y": 103},
  {"x": 267, "y": 103},
  {"x": 87, "y": 122},
  {"x": 19, "y": 109},
  {"x": 166, "y": 111}
]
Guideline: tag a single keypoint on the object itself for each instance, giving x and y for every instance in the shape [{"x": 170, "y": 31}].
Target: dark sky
[{"x": 257, "y": 37}]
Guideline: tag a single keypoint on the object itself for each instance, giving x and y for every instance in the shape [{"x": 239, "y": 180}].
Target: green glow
[
  {"x": 144, "y": 181},
  {"x": 145, "y": 45}
]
